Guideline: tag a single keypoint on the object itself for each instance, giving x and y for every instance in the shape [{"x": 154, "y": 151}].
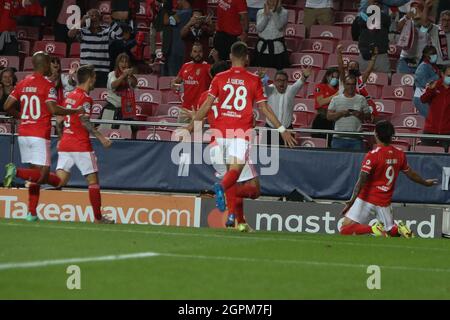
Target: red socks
[
  {"x": 96, "y": 200},
  {"x": 239, "y": 211},
  {"x": 230, "y": 179},
  {"x": 247, "y": 191},
  {"x": 34, "y": 175},
  {"x": 230, "y": 194},
  {"x": 356, "y": 229},
  {"x": 33, "y": 198},
  {"x": 394, "y": 231}
]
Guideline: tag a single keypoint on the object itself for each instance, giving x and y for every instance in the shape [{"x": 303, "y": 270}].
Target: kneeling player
[
  {"x": 75, "y": 147},
  {"x": 375, "y": 187}
]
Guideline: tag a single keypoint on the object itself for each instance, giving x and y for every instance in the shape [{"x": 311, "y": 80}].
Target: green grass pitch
[{"x": 192, "y": 263}]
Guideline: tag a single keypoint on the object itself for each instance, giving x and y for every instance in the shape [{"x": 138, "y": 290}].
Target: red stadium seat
[
  {"x": 149, "y": 96},
  {"x": 22, "y": 74},
  {"x": 292, "y": 16},
  {"x": 295, "y": 73},
  {"x": 316, "y": 60},
  {"x": 300, "y": 16},
  {"x": 301, "y": 119},
  {"x": 379, "y": 79},
  {"x": 345, "y": 17},
  {"x": 333, "y": 61},
  {"x": 403, "y": 79},
  {"x": 164, "y": 83},
  {"x": 10, "y": 62},
  {"x": 171, "y": 97},
  {"x": 317, "y": 46},
  {"x": 252, "y": 29},
  {"x": 97, "y": 107},
  {"x": 295, "y": 31},
  {"x": 167, "y": 110},
  {"x": 394, "y": 51},
  {"x": 146, "y": 81},
  {"x": 312, "y": 142},
  {"x": 349, "y": 47},
  {"x": 51, "y": 47},
  {"x": 401, "y": 146},
  {"x": 411, "y": 121},
  {"x": 149, "y": 134},
  {"x": 403, "y": 140},
  {"x": 69, "y": 63},
  {"x": 27, "y": 33},
  {"x": 407, "y": 107},
  {"x": 429, "y": 149},
  {"x": 398, "y": 93},
  {"x": 74, "y": 50},
  {"x": 326, "y": 32},
  {"x": 99, "y": 94},
  {"x": 305, "y": 105},
  {"x": 373, "y": 91},
  {"x": 5, "y": 128},
  {"x": 27, "y": 64},
  {"x": 116, "y": 133},
  {"x": 385, "y": 107}
]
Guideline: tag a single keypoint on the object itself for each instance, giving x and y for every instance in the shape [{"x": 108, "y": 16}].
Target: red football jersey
[
  {"x": 196, "y": 79},
  {"x": 236, "y": 90},
  {"x": 228, "y": 19},
  {"x": 8, "y": 10},
  {"x": 33, "y": 93},
  {"x": 75, "y": 136},
  {"x": 324, "y": 90},
  {"x": 383, "y": 164}
]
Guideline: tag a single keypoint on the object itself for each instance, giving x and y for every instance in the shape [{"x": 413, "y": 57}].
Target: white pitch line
[
  {"x": 45, "y": 263},
  {"x": 252, "y": 236}
]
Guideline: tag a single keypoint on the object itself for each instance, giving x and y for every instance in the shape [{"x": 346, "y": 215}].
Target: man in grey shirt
[
  {"x": 348, "y": 110},
  {"x": 280, "y": 96}
]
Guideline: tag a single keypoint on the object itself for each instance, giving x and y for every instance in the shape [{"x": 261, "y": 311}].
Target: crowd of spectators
[{"x": 192, "y": 39}]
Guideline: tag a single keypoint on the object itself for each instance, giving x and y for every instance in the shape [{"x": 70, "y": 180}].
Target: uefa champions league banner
[
  {"x": 316, "y": 218},
  {"x": 322, "y": 174}
]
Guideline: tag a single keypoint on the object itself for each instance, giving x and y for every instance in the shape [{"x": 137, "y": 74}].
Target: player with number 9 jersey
[
  {"x": 75, "y": 137},
  {"x": 383, "y": 164},
  {"x": 236, "y": 90},
  {"x": 33, "y": 93}
]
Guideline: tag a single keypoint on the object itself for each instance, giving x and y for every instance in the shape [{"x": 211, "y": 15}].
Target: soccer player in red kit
[
  {"x": 236, "y": 90},
  {"x": 375, "y": 187},
  {"x": 75, "y": 146},
  {"x": 37, "y": 98}
]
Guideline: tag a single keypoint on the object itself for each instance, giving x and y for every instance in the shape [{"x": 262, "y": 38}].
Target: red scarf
[
  {"x": 406, "y": 39},
  {"x": 443, "y": 45},
  {"x": 126, "y": 92}
]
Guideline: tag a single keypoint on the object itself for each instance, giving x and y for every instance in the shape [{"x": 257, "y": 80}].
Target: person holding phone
[{"x": 199, "y": 29}]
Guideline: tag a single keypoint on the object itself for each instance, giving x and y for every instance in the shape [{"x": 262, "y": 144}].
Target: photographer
[
  {"x": 198, "y": 29},
  {"x": 368, "y": 40}
]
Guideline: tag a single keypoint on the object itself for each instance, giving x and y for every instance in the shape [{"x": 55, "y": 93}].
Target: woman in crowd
[
  {"x": 64, "y": 82},
  {"x": 7, "y": 82}
]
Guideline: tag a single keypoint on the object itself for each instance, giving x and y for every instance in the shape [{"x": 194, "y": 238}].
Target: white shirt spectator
[
  {"x": 113, "y": 98},
  {"x": 271, "y": 27},
  {"x": 318, "y": 4}
]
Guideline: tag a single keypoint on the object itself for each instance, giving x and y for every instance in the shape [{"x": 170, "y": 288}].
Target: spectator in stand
[
  {"x": 348, "y": 110},
  {"x": 31, "y": 13},
  {"x": 124, "y": 11},
  {"x": 427, "y": 72},
  {"x": 95, "y": 41},
  {"x": 411, "y": 39},
  {"x": 8, "y": 38},
  {"x": 368, "y": 40},
  {"x": 231, "y": 26},
  {"x": 353, "y": 69},
  {"x": 318, "y": 12},
  {"x": 281, "y": 97},
  {"x": 324, "y": 92},
  {"x": 253, "y": 6},
  {"x": 194, "y": 78},
  {"x": 63, "y": 82},
  {"x": 271, "y": 51},
  {"x": 121, "y": 104},
  {"x": 437, "y": 95},
  {"x": 174, "y": 46},
  {"x": 440, "y": 34},
  {"x": 198, "y": 29},
  {"x": 8, "y": 81}
]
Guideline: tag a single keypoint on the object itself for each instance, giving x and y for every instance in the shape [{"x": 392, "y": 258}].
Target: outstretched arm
[
  {"x": 414, "y": 176},
  {"x": 10, "y": 107},
  {"x": 202, "y": 112},
  {"x": 362, "y": 180},
  {"x": 56, "y": 110},
  {"x": 286, "y": 135},
  {"x": 92, "y": 130}
]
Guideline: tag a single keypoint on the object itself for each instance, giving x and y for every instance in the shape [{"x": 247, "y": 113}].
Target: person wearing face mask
[
  {"x": 427, "y": 72},
  {"x": 437, "y": 95},
  {"x": 323, "y": 93},
  {"x": 348, "y": 110},
  {"x": 439, "y": 34},
  {"x": 411, "y": 40}
]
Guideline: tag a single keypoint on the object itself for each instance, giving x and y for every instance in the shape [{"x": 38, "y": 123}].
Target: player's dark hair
[
  {"x": 330, "y": 72},
  {"x": 351, "y": 77},
  {"x": 385, "y": 131},
  {"x": 281, "y": 73},
  {"x": 84, "y": 73},
  {"x": 219, "y": 67},
  {"x": 239, "y": 50}
]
